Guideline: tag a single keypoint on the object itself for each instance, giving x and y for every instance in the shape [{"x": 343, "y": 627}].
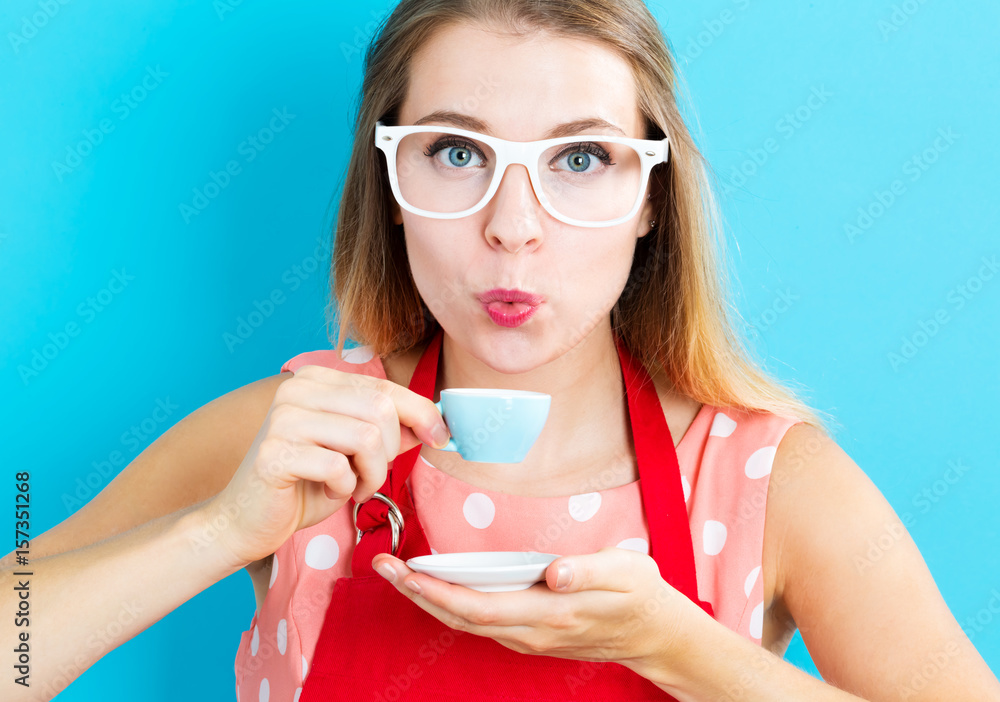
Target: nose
[{"x": 514, "y": 212}]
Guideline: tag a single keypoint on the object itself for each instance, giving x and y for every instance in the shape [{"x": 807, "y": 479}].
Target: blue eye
[
  {"x": 583, "y": 158},
  {"x": 450, "y": 152},
  {"x": 579, "y": 162},
  {"x": 459, "y": 156}
]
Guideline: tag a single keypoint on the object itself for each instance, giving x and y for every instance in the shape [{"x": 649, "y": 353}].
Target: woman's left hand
[{"x": 607, "y": 606}]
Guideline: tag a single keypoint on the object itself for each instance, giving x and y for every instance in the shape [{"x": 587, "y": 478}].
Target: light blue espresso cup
[{"x": 493, "y": 426}]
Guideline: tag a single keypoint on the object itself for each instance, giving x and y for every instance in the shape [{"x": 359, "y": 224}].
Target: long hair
[{"x": 674, "y": 313}]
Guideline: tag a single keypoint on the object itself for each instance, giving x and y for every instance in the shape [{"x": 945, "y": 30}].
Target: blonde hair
[{"x": 674, "y": 313}]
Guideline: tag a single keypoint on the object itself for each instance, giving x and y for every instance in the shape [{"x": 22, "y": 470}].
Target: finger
[
  {"x": 345, "y": 394},
  {"x": 418, "y": 413},
  {"x": 414, "y": 412},
  {"x": 359, "y": 440},
  {"x": 319, "y": 465},
  {"x": 614, "y": 569}
]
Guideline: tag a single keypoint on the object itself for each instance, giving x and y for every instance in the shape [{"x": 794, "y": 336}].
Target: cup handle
[{"x": 451, "y": 446}]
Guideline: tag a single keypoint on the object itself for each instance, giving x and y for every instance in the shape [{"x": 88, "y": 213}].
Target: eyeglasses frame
[{"x": 526, "y": 153}]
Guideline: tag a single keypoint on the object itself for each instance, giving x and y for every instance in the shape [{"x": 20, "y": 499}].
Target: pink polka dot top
[{"x": 725, "y": 461}]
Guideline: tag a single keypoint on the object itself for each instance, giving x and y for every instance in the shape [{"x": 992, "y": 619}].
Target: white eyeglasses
[{"x": 584, "y": 181}]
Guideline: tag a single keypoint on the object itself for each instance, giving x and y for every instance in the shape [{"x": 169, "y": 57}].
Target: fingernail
[
  {"x": 386, "y": 571},
  {"x": 440, "y": 435},
  {"x": 564, "y": 575},
  {"x": 413, "y": 586}
]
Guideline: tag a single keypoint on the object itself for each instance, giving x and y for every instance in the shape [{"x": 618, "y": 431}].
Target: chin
[{"x": 510, "y": 351}]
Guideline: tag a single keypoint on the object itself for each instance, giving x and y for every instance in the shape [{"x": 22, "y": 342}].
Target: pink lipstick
[{"x": 510, "y": 308}]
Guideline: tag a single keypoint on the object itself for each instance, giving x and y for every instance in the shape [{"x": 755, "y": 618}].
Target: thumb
[{"x": 609, "y": 569}]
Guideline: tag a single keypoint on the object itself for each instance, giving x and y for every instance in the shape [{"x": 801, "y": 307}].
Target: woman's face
[{"x": 520, "y": 88}]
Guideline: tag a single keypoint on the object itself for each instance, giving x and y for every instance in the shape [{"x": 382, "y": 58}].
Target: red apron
[{"x": 377, "y": 645}]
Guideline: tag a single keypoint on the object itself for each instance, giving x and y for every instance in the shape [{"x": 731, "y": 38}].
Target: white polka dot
[
  {"x": 757, "y": 621},
  {"x": 635, "y": 544},
  {"x": 282, "y": 636},
  {"x": 751, "y": 581},
  {"x": 254, "y": 642},
  {"x": 686, "y": 486},
  {"x": 274, "y": 571},
  {"x": 713, "y": 537},
  {"x": 265, "y": 690},
  {"x": 358, "y": 355},
  {"x": 305, "y": 667},
  {"x": 298, "y": 691},
  {"x": 434, "y": 551},
  {"x": 479, "y": 510},
  {"x": 583, "y": 507},
  {"x": 759, "y": 463},
  {"x": 322, "y": 552},
  {"x": 722, "y": 425}
]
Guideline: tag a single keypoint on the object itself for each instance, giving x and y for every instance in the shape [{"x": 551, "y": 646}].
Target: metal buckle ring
[{"x": 395, "y": 520}]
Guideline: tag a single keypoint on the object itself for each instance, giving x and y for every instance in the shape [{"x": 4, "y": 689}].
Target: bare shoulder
[
  {"x": 847, "y": 574},
  {"x": 189, "y": 463}
]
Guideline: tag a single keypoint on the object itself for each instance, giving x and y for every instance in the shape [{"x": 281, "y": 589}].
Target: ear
[{"x": 648, "y": 213}]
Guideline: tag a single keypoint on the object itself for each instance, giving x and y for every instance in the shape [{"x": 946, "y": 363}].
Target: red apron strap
[{"x": 660, "y": 481}]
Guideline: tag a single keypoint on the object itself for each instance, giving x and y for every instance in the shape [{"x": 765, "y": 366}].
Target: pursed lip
[{"x": 505, "y": 295}]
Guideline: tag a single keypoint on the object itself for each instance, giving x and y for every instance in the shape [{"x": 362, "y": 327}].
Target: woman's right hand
[{"x": 328, "y": 436}]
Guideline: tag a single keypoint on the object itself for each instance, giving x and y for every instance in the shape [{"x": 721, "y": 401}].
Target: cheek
[
  {"x": 603, "y": 263},
  {"x": 435, "y": 263}
]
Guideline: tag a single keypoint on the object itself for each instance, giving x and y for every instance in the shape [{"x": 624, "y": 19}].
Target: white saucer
[{"x": 486, "y": 571}]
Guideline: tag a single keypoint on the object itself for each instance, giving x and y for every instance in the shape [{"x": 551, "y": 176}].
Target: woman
[{"x": 569, "y": 274}]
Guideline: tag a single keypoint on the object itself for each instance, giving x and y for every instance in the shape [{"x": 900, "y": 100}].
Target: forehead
[{"x": 520, "y": 86}]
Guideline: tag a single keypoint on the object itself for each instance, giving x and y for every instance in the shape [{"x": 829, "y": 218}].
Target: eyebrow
[{"x": 579, "y": 126}]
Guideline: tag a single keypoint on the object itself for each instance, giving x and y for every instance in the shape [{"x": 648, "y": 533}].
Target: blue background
[{"x": 893, "y": 75}]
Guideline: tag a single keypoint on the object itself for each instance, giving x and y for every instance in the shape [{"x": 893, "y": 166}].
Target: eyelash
[
  {"x": 585, "y": 147},
  {"x": 588, "y": 147},
  {"x": 448, "y": 142}
]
